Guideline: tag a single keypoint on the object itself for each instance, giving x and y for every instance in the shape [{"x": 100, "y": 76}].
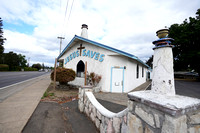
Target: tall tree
[
  {"x": 22, "y": 61},
  {"x": 149, "y": 62},
  {"x": 14, "y": 61},
  {"x": 38, "y": 66},
  {"x": 187, "y": 44},
  {"x": 1, "y": 37}
]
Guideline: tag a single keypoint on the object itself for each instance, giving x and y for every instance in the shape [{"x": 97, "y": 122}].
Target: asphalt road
[
  {"x": 50, "y": 117},
  {"x": 186, "y": 88},
  {"x": 9, "y": 78}
]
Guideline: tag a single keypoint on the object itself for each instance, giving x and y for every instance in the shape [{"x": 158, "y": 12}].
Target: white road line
[{"x": 20, "y": 82}]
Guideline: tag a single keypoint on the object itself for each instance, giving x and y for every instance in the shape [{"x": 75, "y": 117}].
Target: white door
[{"x": 117, "y": 80}]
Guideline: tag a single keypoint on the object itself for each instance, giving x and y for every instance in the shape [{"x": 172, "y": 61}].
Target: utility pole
[{"x": 60, "y": 42}]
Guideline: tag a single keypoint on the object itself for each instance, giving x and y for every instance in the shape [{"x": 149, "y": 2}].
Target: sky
[{"x": 31, "y": 27}]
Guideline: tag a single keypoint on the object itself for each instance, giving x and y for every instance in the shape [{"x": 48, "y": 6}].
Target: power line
[
  {"x": 69, "y": 14},
  {"x": 70, "y": 9},
  {"x": 65, "y": 17}
]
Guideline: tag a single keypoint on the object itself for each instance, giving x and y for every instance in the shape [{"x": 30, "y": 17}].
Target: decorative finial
[{"x": 163, "y": 33}]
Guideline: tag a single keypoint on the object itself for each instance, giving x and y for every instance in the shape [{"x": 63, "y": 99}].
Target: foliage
[
  {"x": 37, "y": 66},
  {"x": 13, "y": 60},
  {"x": 30, "y": 69},
  {"x": 47, "y": 94},
  {"x": 93, "y": 79},
  {"x": 187, "y": 44},
  {"x": 149, "y": 62},
  {"x": 4, "y": 67},
  {"x": 1, "y": 38},
  {"x": 64, "y": 75}
]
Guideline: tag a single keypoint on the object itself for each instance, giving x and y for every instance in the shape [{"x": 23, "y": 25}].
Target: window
[
  {"x": 137, "y": 71},
  {"x": 142, "y": 71}
]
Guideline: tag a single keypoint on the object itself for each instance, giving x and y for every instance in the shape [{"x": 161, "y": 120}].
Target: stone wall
[
  {"x": 105, "y": 120},
  {"x": 150, "y": 118},
  {"x": 140, "y": 116}
]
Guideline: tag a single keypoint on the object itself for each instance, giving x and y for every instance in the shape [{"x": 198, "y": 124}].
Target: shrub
[
  {"x": 63, "y": 75},
  {"x": 4, "y": 67},
  {"x": 93, "y": 79},
  {"x": 30, "y": 69}
]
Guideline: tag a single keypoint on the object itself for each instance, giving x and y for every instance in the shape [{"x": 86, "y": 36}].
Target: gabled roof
[{"x": 78, "y": 38}]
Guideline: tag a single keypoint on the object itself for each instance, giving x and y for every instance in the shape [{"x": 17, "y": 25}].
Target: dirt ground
[{"x": 61, "y": 94}]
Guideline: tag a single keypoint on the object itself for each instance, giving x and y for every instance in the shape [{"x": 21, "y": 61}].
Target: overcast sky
[{"x": 31, "y": 27}]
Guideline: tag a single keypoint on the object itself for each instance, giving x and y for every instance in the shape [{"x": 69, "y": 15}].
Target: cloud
[
  {"x": 28, "y": 46},
  {"x": 128, "y": 25}
]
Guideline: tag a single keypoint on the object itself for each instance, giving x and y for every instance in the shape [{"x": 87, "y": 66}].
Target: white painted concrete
[
  {"x": 84, "y": 33},
  {"x": 105, "y": 112},
  {"x": 172, "y": 102},
  {"x": 163, "y": 73},
  {"x": 111, "y": 59}
]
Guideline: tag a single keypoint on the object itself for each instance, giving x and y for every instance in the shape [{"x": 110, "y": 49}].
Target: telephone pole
[{"x": 60, "y": 42}]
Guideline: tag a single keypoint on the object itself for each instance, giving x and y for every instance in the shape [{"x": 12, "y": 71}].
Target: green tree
[
  {"x": 149, "y": 62},
  {"x": 14, "y": 61},
  {"x": 2, "y": 39},
  {"x": 22, "y": 60},
  {"x": 187, "y": 44},
  {"x": 37, "y": 66}
]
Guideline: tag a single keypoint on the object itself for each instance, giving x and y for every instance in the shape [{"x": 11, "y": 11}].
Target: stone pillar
[
  {"x": 160, "y": 110},
  {"x": 163, "y": 73},
  {"x": 84, "y": 31}
]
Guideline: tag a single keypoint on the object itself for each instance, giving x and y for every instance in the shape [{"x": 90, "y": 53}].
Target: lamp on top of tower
[{"x": 84, "y": 31}]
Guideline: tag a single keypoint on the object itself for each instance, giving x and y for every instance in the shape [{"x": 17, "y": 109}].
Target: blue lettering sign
[
  {"x": 68, "y": 59},
  {"x": 96, "y": 56},
  {"x": 74, "y": 55},
  {"x": 70, "y": 56},
  {"x": 84, "y": 53},
  {"x": 92, "y": 54},
  {"x": 101, "y": 57},
  {"x": 65, "y": 60},
  {"x": 88, "y": 53},
  {"x": 77, "y": 53}
]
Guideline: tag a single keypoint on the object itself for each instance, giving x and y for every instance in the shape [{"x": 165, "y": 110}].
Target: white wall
[
  {"x": 92, "y": 64},
  {"x": 103, "y": 68}
]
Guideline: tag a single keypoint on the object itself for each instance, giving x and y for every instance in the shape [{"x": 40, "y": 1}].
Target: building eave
[{"x": 102, "y": 46}]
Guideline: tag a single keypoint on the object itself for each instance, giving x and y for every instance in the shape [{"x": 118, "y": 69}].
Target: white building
[{"x": 120, "y": 71}]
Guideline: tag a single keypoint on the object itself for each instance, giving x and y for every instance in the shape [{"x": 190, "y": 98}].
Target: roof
[{"x": 78, "y": 38}]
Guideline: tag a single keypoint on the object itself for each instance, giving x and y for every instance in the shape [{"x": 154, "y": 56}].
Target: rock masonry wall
[
  {"x": 137, "y": 118},
  {"x": 105, "y": 121},
  {"x": 145, "y": 119}
]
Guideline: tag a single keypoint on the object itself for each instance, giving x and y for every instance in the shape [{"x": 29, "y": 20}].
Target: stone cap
[
  {"x": 173, "y": 105},
  {"x": 84, "y": 26},
  {"x": 87, "y": 87}
]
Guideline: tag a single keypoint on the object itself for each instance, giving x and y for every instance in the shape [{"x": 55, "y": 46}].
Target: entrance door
[
  {"x": 117, "y": 80},
  {"x": 80, "y": 69}
]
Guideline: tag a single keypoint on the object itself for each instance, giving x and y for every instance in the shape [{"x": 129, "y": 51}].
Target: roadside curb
[{"x": 17, "y": 109}]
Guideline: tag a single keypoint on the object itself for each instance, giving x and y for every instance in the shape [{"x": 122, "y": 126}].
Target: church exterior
[{"x": 120, "y": 71}]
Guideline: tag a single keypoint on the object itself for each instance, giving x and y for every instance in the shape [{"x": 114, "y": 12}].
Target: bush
[
  {"x": 63, "y": 75},
  {"x": 4, "y": 67},
  {"x": 93, "y": 79},
  {"x": 30, "y": 69}
]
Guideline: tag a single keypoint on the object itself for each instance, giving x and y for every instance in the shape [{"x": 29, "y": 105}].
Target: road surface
[
  {"x": 9, "y": 78},
  {"x": 186, "y": 88},
  {"x": 12, "y": 82}
]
